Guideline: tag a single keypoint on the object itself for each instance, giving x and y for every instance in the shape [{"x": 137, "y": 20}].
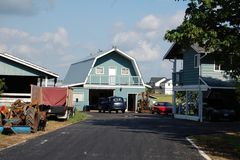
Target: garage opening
[
  {"x": 131, "y": 102},
  {"x": 95, "y": 94}
]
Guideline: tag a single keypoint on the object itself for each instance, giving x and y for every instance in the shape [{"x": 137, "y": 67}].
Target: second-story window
[
  {"x": 125, "y": 71},
  {"x": 217, "y": 67},
  {"x": 196, "y": 60},
  {"x": 99, "y": 70}
]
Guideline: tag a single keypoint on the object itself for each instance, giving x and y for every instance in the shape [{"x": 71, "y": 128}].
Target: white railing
[{"x": 114, "y": 80}]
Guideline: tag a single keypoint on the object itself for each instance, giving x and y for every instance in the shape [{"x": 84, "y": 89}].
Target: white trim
[
  {"x": 16, "y": 94},
  {"x": 123, "y": 54},
  {"x": 28, "y": 64},
  {"x": 136, "y": 99},
  {"x": 111, "y": 86},
  {"x": 187, "y": 117},
  {"x": 123, "y": 69},
  {"x": 202, "y": 153},
  {"x": 190, "y": 88},
  {"x": 96, "y": 69},
  {"x": 217, "y": 70},
  {"x": 72, "y": 85}
]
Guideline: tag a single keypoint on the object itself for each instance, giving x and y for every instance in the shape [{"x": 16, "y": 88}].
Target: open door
[{"x": 132, "y": 102}]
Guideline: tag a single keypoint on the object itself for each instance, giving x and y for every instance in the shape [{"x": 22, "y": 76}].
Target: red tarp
[{"x": 54, "y": 96}]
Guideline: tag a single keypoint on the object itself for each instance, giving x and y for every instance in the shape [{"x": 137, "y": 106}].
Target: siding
[
  {"x": 190, "y": 74},
  {"x": 80, "y": 104},
  {"x": 114, "y": 60},
  {"x": 118, "y": 62},
  {"x": 9, "y": 67},
  {"x": 208, "y": 69}
]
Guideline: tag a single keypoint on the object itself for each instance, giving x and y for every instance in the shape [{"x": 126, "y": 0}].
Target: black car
[
  {"x": 219, "y": 112},
  {"x": 111, "y": 104}
]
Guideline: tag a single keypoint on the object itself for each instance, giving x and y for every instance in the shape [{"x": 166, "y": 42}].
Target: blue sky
[{"x": 56, "y": 33}]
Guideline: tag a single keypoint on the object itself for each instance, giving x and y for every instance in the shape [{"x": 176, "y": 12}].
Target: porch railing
[{"x": 114, "y": 80}]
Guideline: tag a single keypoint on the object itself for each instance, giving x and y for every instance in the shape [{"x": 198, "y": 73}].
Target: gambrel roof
[{"x": 79, "y": 71}]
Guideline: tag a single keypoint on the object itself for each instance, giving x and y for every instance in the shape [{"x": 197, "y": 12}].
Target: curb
[{"x": 201, "y": 152}]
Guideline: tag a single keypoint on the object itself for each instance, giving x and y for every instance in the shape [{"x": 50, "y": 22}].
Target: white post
[
  {"x": 174, "y": 92},
  {"x": 200, "y": 106},
  {"x": 46, "y": 81}
]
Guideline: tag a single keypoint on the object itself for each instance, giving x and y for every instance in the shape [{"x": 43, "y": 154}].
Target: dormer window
[
  {"x": 99, "y": 70},
  {"x": 125, "y": 71}
]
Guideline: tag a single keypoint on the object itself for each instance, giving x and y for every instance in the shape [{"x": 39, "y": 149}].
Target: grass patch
[
  {"x": 163, "y": 97},
  {"x": 79, "y": 116},
  {"x": 226, "y": 145}
]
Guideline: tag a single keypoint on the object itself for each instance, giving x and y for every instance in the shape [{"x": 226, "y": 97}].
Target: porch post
[
  {"x": 200, "y": 106},
  {"x": 46, "y": 81},
  {"x": 174, "y": 92}
]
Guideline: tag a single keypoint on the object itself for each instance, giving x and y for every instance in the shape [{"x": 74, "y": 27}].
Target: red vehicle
[{"x": 162, "y": 108}]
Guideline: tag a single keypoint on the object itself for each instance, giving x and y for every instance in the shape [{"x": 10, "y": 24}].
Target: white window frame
[
  {"x": 99, "y": 67},
  {"x": 214, "y": 67},
  {"x": 196, "y": 59},
  {"x": 124, "y": 73}
]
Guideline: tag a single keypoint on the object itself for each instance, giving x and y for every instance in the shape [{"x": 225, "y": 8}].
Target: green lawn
[
  {"x": 79, "y": 116},
  {"x": 163, "y": 98},
  {"x": 226, "y": 145}
]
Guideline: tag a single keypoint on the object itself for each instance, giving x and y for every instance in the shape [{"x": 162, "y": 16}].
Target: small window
[
  {"x": 99, "y": 70},
  {"x": 217, "y": 66},
  {"x": 78, "y": 97},
  {"x": 196, "y": 61},
  {"x": 125, "y": 71},
  {"x": 168, "y": 84}
]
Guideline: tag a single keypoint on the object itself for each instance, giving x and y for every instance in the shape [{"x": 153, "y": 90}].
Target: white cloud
[
  {"x": 11, "y": 33},
  {"x": 60, "y": 37},
  {"x": 149, "y": 22},
  {"x": 3, "y": 47},
  {"x": 49, "y": 49},
  {"x": 145, "y": 51},
  {"x": 145, "y": 41}
]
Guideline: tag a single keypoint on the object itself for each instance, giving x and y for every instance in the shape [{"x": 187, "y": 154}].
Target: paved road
[{"x": 116, "y": 137}]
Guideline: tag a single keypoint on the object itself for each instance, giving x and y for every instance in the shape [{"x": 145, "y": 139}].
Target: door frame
[
  {"x": 135, "y": 107},
  {"x": 112, "y": 81}
]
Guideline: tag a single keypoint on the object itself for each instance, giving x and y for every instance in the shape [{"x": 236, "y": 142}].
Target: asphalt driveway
[{"x": 113, "y": 136}]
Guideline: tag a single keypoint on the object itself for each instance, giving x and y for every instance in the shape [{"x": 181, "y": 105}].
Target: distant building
[
  {"x": 201, "y": 80},
  {"x": 18, "y": 75},
  {"x": 111, "y": 73},
  {"x": 161, "y": 85}
]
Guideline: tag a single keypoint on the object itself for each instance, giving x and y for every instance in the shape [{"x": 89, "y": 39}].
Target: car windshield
[
  {"x": 117, "y": 99},
  {"x": 163, "y": 104}
]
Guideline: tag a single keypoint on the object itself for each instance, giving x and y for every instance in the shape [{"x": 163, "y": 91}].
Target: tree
[{"x": 215, "y": 26}]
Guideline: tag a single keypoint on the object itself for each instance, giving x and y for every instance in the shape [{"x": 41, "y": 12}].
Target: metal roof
[
  {"x": 217, "y": 83},
  {"x": 28, "y": 64},
  {"x": 78, "y": 72},
  {"x": 177, "y": 50}
]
